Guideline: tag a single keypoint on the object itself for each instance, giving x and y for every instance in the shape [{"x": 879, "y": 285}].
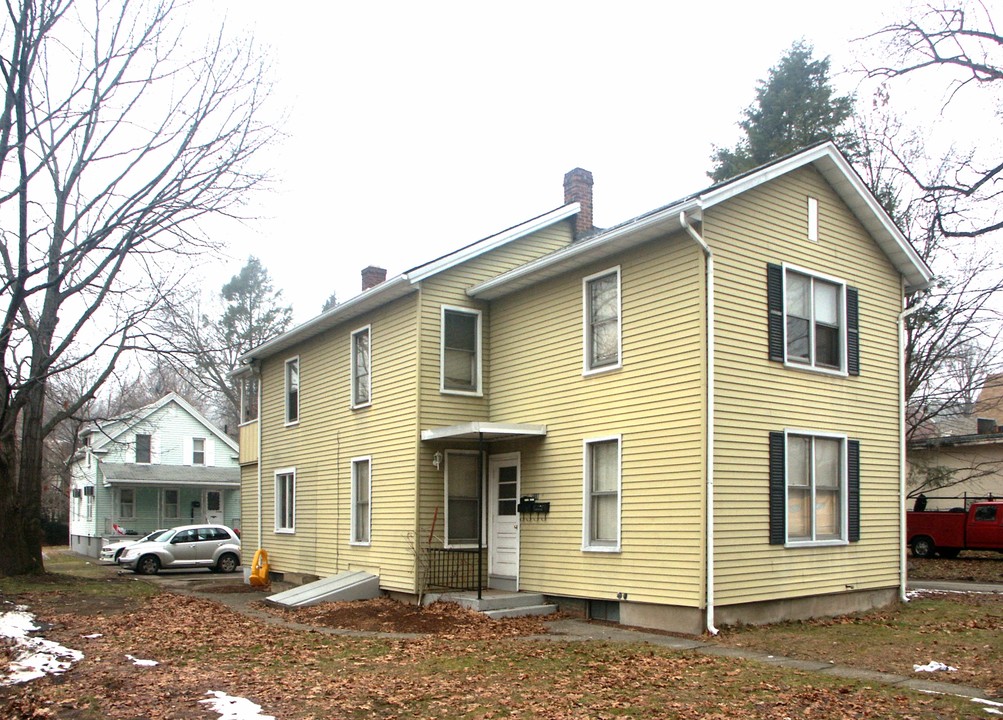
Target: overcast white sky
[{"x": 415, "y": 128}]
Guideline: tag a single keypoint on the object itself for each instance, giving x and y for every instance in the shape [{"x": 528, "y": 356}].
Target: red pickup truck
[{"x": 948, "y": 532}]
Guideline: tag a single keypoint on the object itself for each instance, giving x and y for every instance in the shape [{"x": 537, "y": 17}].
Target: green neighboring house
[{"x": 160, "y": 466}]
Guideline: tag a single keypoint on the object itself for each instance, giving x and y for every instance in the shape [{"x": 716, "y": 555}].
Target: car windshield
[{"x": 155, "y": 535}]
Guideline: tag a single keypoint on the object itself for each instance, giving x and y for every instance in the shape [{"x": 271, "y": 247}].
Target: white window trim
[
  {"x": 445, "y": 490},
  {"x": 275, "y": 502},
  {"x": 351, "y": 361},
  {"x": 479, "y": 360},
  {"x": 587, "y": 545},
  {"x": 368, "y": 459},
  {"x": 587, "y": 329},
  {"x": 844, "y": 519},
  {"x": 285, "y": 388},
  {"x": 843, "y": 370}
]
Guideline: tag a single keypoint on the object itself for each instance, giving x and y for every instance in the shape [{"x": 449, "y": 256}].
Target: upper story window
[
  {"x": 198, "y": 451},
  {"x": 292, "y": 390},
  {"x": 813, "y": 321},
  {"x": 601, "y": 512},
  {"x": 144, "y": 444},
  {"x": 361, "y": 375},
  {"x": 461, "y": 351},
  {"x": 248, "y": 398},
  {"x": 602, "y": 321},
  {"x": 814, "y": 488}
]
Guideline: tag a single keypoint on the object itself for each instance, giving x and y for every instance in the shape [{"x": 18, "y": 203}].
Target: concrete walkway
[{"x": 573, "y": 630}]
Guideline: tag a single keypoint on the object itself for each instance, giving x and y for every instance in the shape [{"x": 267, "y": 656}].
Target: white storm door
[
  {"x": 503, "y": 497},
  {"x": 212, "y": 505}
]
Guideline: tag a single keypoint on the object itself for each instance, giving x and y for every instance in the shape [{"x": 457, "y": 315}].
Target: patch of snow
[
  {"x": 33, "y": 657},
  {"x": 92, "y": 636},
  {"x": 144, "y": 663},
  {"x": 934, "y": 666},
  {"x": 234, "y": 708}
]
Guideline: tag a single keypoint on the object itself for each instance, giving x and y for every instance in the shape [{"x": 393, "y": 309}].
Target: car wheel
[
  {"x": 148, "y": 565},
  {"x": 923, "y": 547},
  {"x": 227, "y": 563}
]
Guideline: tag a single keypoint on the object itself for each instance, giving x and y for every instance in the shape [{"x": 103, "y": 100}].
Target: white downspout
[
  {"x": 903, "y": 580},
  {"x": 710, "y": 417},
  {"x": 256, "y": 369}
]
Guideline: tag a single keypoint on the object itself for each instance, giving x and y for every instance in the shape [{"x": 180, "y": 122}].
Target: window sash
[
  {"x": 815, "y": 321},
  {"x": 816, "y": 485},
  {"x": 285, "y": 501},
  {"x": 360, "y": 367},
  {"x": 602, "y": 498},
  {"x": 361, "y": 500},
  {"x": 461, "y": 350},
  {"x": 462, "y": 499},
  {"x": 172, "y": 504},
  {"x": 292, "y": 390},
  {"x": 198, "y": 451},
  {"x": 144, "y": 449},
  {"x": 126, "y": 503},
  {"x": 602, "y": 319}
]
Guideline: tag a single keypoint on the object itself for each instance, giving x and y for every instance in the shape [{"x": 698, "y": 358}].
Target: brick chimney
[
  {"x": 578, "y": 188},
  {"x": 373, "y": 276}
]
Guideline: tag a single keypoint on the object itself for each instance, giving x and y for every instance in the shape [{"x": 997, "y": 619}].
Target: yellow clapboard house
[{"x": 688, "y": 419}]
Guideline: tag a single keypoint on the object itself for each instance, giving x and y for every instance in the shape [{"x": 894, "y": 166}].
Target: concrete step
[
  {"x": 494, "y": 600},
  {"x": 523, "y": 611}
]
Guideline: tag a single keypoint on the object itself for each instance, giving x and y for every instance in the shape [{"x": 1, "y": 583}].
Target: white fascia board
[
  {"x": 829, "y": 161},
  {"x": 489, "y": 430},
  {"x": 586, "y": 251},
  {"x": 495, "y": 241}
]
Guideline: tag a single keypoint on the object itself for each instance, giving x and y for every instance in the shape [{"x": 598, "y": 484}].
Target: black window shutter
[
  {"x": 852, "y": 332},
  {"x": 853, "y": 489},
  {"x": 778, "y": 490},
  {"x": 775, "y": 305}
]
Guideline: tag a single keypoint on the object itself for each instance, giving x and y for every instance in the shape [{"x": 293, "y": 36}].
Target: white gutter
[
  {"x": 903, "y": 566},
  {"x": 709, "y": 256}
]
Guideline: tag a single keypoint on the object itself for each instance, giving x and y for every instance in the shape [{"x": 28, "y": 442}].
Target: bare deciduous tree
[
  {"x": 116, "y": 137},
  {"x": 961, "y": 42}
]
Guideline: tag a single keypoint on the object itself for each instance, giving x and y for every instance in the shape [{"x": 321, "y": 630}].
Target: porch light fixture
[{"x": 437, "y": 459}]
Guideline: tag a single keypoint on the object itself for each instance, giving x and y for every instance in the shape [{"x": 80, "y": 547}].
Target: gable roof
[
  {"x": 825, "y": 157},
  {"x": 402, "y": 285},
  {"x": 113, "y": 429}
]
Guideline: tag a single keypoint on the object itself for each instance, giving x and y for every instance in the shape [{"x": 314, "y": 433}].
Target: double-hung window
[
  {"x": 601, "y": 508},
  {"x": 126, "y": 503},
  {"x": 813, "y": 321},
  {"x": 144, "y": 453},
  {"x": 198, "y": 451},
  {"x": 285, "y": 500},
  {"x": 462, "y": 498},
  {"x": 361, "y": 376},
  {"x": 292, "y": 390},
  {"x": 601, "y": 320},
  {"x": 172, "y": 504},
  {"x": 814, "y": 488},
  {"x": 461, "y": 351},
  {"x": 361, "y": 500}
]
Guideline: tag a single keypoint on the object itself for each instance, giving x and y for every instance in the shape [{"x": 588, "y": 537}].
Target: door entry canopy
[{"x": 484, "y": 431}]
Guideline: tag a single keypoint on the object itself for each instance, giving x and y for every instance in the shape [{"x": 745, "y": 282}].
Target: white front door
[
  {"x": 503, "y": 542},
  {"x": 213, "y": 505}
]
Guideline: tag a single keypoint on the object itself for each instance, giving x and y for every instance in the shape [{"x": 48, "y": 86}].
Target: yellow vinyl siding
[
  {"x": 329, "y": 435},
  {"x": 654, "y": 402},
  {"x": 755, "y": 396}
]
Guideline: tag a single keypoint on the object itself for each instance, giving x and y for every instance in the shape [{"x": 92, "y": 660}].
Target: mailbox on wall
[{"x": 529, "y": 504}]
